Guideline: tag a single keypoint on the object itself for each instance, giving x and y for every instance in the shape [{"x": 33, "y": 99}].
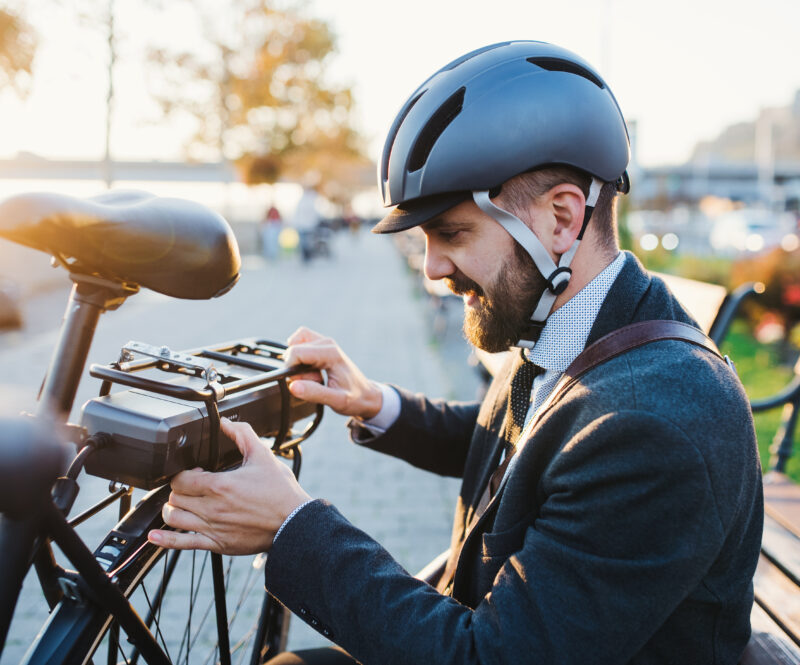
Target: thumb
[{"x": 243, "y": 436}]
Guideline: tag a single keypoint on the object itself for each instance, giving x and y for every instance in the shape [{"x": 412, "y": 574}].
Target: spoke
[
  {"x": 242, "y": 643},
  {"x": 194, "y": 587},
  {"x": 164, "y": 576},
  {"x": 170, "y": 561},
  {"x": 122, "y": 653},
  {"x": 200, "y": 628},
  {"x": 207, "y": 611},
  {"x": 220, "y": 605},
  {"x": 113, "y": 640},
  {"x": 243, "y": 596},
  {"x": 158, "y": 624},
  {"x": 186, "y": 640}
]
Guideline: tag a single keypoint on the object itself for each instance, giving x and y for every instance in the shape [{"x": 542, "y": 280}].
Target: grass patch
[{"x": 763, "y": 375}]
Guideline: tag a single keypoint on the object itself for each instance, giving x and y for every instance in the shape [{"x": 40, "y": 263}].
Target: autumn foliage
[
  {"x": 17, "y": 46},
  {"x": 260, "y": 96}
]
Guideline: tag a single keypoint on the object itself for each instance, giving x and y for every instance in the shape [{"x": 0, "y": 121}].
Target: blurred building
[{"x": 755, "y": 162}]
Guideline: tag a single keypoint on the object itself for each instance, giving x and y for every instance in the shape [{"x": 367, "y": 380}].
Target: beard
[{"x": 504, "y": 307}]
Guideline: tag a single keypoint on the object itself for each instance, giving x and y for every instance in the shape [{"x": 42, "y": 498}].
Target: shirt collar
[{"x": 567, "y": 329}]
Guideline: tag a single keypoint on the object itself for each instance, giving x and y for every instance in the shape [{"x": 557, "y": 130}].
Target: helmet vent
[
  {"x": 393, "y": 134},
  {"x": 438, "y": 122},
  {"x": 559, "y": 65}
]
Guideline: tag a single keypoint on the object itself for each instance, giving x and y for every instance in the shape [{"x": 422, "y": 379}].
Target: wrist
[
  {"x": 373, "y": 402},
  {"x": 289, "y": 517}
]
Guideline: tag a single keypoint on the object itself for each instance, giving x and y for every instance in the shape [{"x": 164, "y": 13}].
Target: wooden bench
[{"x": 775, "y": 618}]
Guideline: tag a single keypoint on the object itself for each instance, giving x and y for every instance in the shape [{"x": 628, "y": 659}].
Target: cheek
[{"x": 479, "y": 267}]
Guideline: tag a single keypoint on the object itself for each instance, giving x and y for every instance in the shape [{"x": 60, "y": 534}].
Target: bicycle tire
[{"x": 79, "y": 625}]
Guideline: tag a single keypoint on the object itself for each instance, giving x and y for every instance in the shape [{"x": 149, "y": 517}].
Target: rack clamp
[{"x": 203, "y": 366}]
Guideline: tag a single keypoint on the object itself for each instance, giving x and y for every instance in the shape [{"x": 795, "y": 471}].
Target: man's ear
[{"x": 567, "y": 204}]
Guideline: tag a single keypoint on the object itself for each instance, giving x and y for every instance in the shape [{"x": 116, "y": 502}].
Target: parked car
[{"x": 750, "y": 230}]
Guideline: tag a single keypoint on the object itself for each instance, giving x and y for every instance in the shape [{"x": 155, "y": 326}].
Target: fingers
[
  {"x": 306, "y": 376},
  {"x": 179, "y": 518},
  {"x": 322, "y": 355},
  {"x": 243, "y": 436},
  {"x": 303, "y": 335},
  {"x": 319, "y": 394},
  {"x": 195, "y": 482},
  {"x": 181, "y": 541}
]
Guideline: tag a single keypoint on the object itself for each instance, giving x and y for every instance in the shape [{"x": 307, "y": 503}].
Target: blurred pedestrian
[
  {"x": 270, "y": 231},
  {"x": 306, "y": 221}
]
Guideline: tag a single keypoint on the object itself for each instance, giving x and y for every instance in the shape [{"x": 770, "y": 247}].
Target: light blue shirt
[{"x": 566, "y": 331}]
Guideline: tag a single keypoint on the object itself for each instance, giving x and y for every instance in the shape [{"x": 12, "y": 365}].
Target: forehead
[{"x": 465, "y": 214}]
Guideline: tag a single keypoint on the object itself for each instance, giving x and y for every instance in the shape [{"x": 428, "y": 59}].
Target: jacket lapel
[
  {"x": 621, "y": 307},
  {"x": 623, "y": 300}
]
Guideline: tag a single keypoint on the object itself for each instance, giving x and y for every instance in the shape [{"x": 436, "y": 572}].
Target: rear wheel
[{"x": 173, "y": 593}]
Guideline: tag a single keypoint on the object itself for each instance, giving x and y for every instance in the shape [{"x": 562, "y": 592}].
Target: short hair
[{"x": 517, "y": 192}]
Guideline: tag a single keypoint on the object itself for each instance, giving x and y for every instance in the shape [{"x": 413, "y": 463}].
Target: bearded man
[{"x": 615, "y": 518}]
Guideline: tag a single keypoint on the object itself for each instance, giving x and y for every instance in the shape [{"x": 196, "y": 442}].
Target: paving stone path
[{"x": 366, "y": 299}]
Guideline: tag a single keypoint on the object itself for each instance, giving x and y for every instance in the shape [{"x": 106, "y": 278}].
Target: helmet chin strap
[{"x": 557, "y": 276}]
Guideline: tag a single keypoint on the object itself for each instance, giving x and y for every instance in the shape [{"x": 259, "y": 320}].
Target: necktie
[{"x": 519, "y": 399}]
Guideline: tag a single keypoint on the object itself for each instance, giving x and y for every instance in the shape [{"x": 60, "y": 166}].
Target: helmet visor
[{"x": 418, "y": 211}]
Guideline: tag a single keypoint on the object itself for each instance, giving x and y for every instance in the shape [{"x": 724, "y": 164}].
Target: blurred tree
[
  {"x": 259, "y": 95},
  {"x": 17, "y": 46}
]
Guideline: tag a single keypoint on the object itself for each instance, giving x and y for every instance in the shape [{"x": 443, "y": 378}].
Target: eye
[{"x": 449, "y": 235}]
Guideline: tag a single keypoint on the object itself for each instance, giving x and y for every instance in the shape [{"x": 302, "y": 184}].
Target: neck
[{"x": 589, "y": 262}]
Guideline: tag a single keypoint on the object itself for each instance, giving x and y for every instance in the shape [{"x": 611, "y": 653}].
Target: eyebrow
[{"x": 439, "y": 223}]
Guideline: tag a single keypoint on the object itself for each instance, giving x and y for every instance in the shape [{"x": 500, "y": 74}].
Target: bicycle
[{"x": 164, "y": 419}]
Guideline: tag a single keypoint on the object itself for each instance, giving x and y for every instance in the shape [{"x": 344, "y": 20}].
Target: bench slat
[
  {"x": 767, "y": 645},
  {"x": 702, "y": 300},
  {"x": 782, "y": 547},
  {"x": 782, "y": 499},
  {"x": 777, "y": 595}
]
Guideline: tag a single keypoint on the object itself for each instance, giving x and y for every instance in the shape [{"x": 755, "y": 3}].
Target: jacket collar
[{"x": 636, "y": 296}]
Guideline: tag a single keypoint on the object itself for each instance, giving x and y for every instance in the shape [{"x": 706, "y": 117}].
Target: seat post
[{"x": 90, "y": 297}]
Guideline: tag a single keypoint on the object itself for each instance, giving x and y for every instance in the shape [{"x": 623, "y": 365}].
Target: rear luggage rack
[{"x": 169, "y": 419}]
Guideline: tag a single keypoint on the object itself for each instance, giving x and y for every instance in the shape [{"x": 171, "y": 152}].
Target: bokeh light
[
  {"x": 790, "y": 242},
  {"x": 670, "y": 241},
  {"x": 648, "y": 242}
]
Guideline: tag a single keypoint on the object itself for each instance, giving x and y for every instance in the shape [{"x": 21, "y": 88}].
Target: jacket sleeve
[
  {"x": 601, "y": 567},
  {"x": 430, "y": 434}
]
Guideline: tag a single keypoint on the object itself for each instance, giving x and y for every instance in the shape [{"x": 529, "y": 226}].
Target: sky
[{"x": 683, "y": 69}]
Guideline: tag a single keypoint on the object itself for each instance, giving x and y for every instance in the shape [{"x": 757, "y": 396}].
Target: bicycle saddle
[{"x": 172, "y": 246}]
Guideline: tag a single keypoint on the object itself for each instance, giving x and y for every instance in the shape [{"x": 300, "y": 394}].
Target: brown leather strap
[
  {"x": 610, "y": 346},
  {"x": 624, "y": 339}
]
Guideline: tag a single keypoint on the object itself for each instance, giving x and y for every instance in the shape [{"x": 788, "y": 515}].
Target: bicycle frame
[
  {"x": 27, "y": 541},
  {"x": 90, "y": 297}
]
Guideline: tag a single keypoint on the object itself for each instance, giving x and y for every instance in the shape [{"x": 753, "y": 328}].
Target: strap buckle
[{"x": 556, "y": 284}]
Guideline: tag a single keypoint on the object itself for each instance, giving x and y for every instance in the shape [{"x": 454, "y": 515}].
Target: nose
[{"x": 437, "y": 265}]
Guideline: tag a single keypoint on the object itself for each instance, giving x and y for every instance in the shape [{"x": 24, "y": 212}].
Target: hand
[
  {"x": 231, "y": 512},
  {"x": 348, "y": 392}
]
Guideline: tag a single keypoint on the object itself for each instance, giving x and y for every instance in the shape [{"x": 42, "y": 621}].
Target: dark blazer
[{"x": 627, "y": 532}]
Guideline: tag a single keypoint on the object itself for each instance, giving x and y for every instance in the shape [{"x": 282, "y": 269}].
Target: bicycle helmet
[{"x": 493, "y": 114}]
